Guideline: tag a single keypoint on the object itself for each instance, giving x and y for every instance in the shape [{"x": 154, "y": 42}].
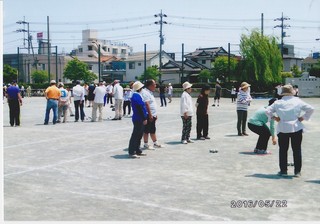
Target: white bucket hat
[
  {"x": 137, "y": 85},
  {"x": 287, "y": 90},
  {"x": 186, "y": 85}
]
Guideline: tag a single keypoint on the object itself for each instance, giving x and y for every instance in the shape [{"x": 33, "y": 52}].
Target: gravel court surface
[{"x": 80, "y": 171}]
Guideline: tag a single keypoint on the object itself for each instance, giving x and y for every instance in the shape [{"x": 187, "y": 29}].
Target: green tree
[
  {"x": 315, "y": 70},
  {"x": 296, "y": 71},
  {"x": 262, "y": 59},
  {"x": 9, "y": 73},
  {"x": 78, "y": 70},
  {"x": 205, "y": 75},
  {"x": 221, "y": 68},
  {"x": 39, "y": 76},
  {"x": 150, "y": 73}
]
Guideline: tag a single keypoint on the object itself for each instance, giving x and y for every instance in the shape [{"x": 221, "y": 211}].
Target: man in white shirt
[
  {"x": 170, "y": 92},
  {"x": 99, "y": 93},
  {"x": 150, "y": 127},
  {"x": 78, "y": 99},
  {"x": 291, "y": 111},
  {"x": 118, "y": 98},
  {"x": 109, "y": 90}
]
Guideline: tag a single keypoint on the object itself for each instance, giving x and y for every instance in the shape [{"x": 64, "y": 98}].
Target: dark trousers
[
  {"x": 109, "y": 98},
  {"x": 264, "y": 135},
  {"x": 186, "y": 129},
  {"x": 14, "y": 108},
  {"x": 296, "y": 140},
  {"x": 163, "y": 99},
  {"x": 202, "y": 125},
  {"x": 126, "y": 104},
  {"x": 78, "y": 105},
  {"x": 136, "y": 136},
  {"x": 242, "y": 121}
]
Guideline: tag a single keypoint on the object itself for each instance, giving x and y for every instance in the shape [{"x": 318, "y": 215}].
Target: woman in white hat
[
  {"x": 139, "y": 119},
  {"x": 243, "y": 101},
  {"x": 186, "y": 112},
  {"x": 290, "y": 115}
]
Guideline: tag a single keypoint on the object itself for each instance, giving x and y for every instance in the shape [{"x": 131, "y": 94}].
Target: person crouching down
[
  {"x": 186, "y": 112},
  {"x": 258, "y": 124},
  {"x": 139, "y": 119}
]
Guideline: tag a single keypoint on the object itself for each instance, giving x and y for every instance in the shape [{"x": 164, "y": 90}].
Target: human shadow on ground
[
  {"x": 232, "y": 135},
  {"x": 174, "y": 143},
  {"x": 313, "y": 181},
  {"x": 122, "y": 156},
  {"x": 269, "y": 176},
  {"x": 253, "y": 154}
]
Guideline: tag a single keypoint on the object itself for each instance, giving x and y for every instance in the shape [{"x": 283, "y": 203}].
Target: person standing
[
  {"x": 63, "y": 103},
  {"x": 217, "y": 94},
  {"x": 29, "y": 91},
  {"x": 258, "y": 124},
  {"x": 78, "y": 99},
  {"x": 202, "y": 113},
  {"x": 170, "y": 92},
  {"x": 127, "y": 99},
  {"x": 139, "y": 119},
  {"x": 14, "y": 101},
  {"x": 243, "y": 101},
  {"x": 86, "y": 92},
  {"x": 22, "y": 91},
  {"x": 98, "y": 103},
  {"x": 162, "y": 91},
  {"x": 70, "y": 101},
  {"x": 91, "y": 94},
  {"x": 151, "y": 105},
  {"x": 109, "y": 89},
  {"x": 233, "y": 94},
  {"x": 52, "y": 95},
  {"x": 118, "y": 98},
  {"x": 291, "y": 112},
  {"x": 186, "y": 112}
]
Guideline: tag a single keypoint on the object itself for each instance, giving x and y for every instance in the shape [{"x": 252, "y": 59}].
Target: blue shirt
[
  {"x": 12, "y": 92},
  {"x": 139, "y": 108}
]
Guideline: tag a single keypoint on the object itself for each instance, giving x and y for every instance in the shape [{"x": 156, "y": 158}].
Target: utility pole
[
  {"x": 56, "y": 64},
  {"x": 161, "y": 22},
  {"x": 229, "y": 62},
  {"x": 145, "y": 63},
  {"x": 99, "y": 61},
  {"x": 262, "y": 24},
  {"x": 48, "y": 48},
  {"x": 182, "y": 62},
  {"x": 282, "y": 26}
]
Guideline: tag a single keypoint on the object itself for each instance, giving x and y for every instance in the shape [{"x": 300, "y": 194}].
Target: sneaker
[
  {"x": 141, "y": 154},
  {"x": 213, "y": 105},
  {"x": 190, "y": 141},
  {"x": 184, "y": 142},
  {"x": 282, "y": 174},
  {"x": 134, "y": 157},
  {"x": 261, "y": 151},
  {"x": 157, "y": 146},
  {"x": 148, "y": 147},
  {"x": 207, "y": 137},
  {"x": 201, "y": 138},
  {"x": 256, "y": 150},
  {"x": 72, "y": 115},
  {"x": 245, "y": 134},
  {"x": 297, "y": 174}
]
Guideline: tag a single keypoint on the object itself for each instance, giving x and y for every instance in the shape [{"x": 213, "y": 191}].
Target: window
[
  {"x": 139, "y": 64},
  {"x": 90, "y": 67},
  {"x": 114, "y": 51},
  {"x": 203, "y": 61},
  {"x": 123, "y": 51},
  {"x": 80, "y": 50},
  {"x": 90, "y": 48},
  {"x": 131, "y": 65},
  {"x": 108, "y": 49},
  {"x": 104, "y": 48}
]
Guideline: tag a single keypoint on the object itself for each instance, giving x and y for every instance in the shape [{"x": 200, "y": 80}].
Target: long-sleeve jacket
[
  {"x": 139, "y": 108},
  {"x": 243, "y": 100},
  {"x": 186, "y": 105}
]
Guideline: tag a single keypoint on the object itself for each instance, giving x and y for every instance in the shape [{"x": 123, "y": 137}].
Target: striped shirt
[{"x": 243, "y": 100}]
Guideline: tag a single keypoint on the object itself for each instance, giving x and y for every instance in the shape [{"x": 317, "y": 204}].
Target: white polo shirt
[{"x": 148, "y": 96}]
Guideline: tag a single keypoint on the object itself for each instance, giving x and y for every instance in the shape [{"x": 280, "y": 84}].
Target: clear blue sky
[{"x": 202, "y": 23}]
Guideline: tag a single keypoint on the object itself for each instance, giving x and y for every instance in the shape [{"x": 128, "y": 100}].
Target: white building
[
  {"x": 90, "y": 44},
  {"x": 135, "y": 63},
  {"x": 308, "y": 86}
]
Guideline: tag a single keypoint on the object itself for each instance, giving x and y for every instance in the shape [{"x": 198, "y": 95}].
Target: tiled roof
[
  {"x": 139, "y": 56},
  {"x": 310, "y": 60}
]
